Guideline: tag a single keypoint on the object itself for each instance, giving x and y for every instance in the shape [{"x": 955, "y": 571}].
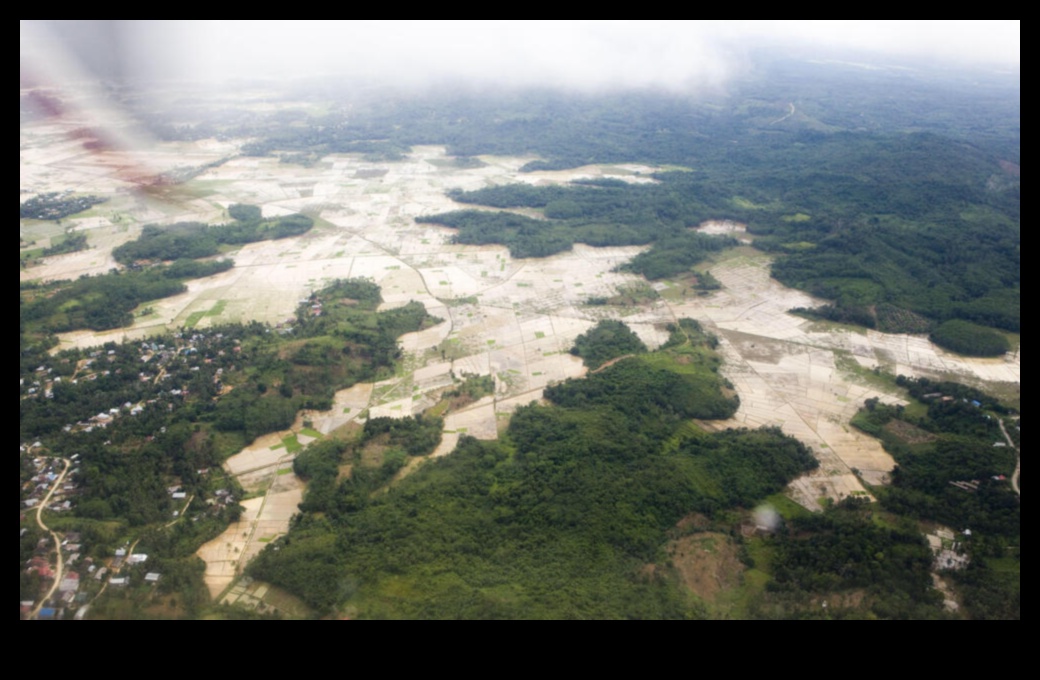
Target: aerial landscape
[{"x": 725, "y": 331}]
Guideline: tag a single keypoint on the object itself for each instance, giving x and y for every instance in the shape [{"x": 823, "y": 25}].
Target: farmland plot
[{"x": 512, "y": 319}]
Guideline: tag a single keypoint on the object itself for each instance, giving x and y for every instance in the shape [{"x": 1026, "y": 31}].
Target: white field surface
[{"x": 513, "y": 319}]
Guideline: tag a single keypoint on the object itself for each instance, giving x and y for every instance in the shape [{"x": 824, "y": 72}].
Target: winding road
[
  {"x": 1018, "y": 458},
  {"x": 59, "y": 568}
]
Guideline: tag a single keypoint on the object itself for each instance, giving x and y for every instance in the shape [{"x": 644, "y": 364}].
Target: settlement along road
[{"x": 54, "y": 537}]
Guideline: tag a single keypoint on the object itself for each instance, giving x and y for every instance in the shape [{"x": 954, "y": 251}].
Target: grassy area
[
  {"x": 877, "y": 378},
  {"x": 292, "y": 444},
  {"x": 787, "y": 508},
  {"x": 195, "y": 317}
]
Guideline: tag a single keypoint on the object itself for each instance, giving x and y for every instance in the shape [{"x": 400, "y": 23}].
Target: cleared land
[{"x": 511, "y": 319}]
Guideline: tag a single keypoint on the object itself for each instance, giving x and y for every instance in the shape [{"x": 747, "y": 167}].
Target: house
[{"x": 69, "y": 584}]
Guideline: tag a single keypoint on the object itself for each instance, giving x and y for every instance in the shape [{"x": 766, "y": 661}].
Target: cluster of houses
[
  {"x": 47, "y": 472},
  {"x": 947, "y": 398},
  {"x": 949, "y": 554},
  {"x": 159, "y": 364},
  {"x": 69, "y": 592},
  {"x": 159, "y": 357}
]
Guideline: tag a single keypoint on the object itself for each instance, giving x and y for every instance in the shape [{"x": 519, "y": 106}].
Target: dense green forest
[
  {"x": 862, "y": 220},
  {"x": 884, "y": 570},
  {"x": 554, "y": 521}
]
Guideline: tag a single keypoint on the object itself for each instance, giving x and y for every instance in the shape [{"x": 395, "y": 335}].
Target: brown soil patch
[
  {"x": 1013, "y": 169},
  {"x": 911, "y": 434},
  {"x": 372, "y": 453},
  {"x": 695, "y": 521},
  {"x": 707, "y": 563},
  {"x": 846, "y": 599},
  {"x": 649, "y": 573}
]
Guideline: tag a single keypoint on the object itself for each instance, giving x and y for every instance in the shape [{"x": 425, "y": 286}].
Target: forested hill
[{"x": 558, "y": 520}]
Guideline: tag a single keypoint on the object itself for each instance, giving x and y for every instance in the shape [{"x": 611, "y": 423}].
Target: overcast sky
[{"x": 674, "y": 54}]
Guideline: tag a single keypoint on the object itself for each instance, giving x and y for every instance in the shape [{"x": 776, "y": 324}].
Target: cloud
[{"x": 572, "y": 54}]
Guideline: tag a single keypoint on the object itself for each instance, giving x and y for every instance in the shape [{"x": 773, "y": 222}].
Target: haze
[{"x": 587, "y": 55}]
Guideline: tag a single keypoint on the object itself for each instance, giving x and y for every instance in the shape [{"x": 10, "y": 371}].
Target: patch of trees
[
  {"x": 607, "y": 340},
  {"x": 843, "y": 550},
  {"x": 417, "y": 435},
  {"x": 640, "y": 390},
  {"x": 70, "y": 243},
  {"x": 56, "y": 205},
  {"x": 193, "y": 240},
  {"x": 473, "y": 387},
  {"x": 348, "y": 342},
  {"x": 598, "y": 213},
  {"x": 967, "y": 338},
  {"x": 382, "y": 449},
  {"x": 990, "y": 593},
  {"x": 677, "y": 254},
  {"x": 106, "y": 301}
]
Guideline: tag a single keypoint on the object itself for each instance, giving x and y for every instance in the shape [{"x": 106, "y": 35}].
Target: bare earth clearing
[
  {"x": 707, "y": 563},
  {"x": 513, "y": 319}
]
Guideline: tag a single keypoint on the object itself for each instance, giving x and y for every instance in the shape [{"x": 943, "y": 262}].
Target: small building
[{"x": 69, "y": 584}]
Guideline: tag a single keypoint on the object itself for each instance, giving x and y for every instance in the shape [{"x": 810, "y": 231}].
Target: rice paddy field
[{"x": 512, "y": 319}]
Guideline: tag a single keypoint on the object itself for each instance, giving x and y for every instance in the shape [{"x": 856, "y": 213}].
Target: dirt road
[
  {"x": 1018, "y": 458},
  {"x": 59, "y": 568}
]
